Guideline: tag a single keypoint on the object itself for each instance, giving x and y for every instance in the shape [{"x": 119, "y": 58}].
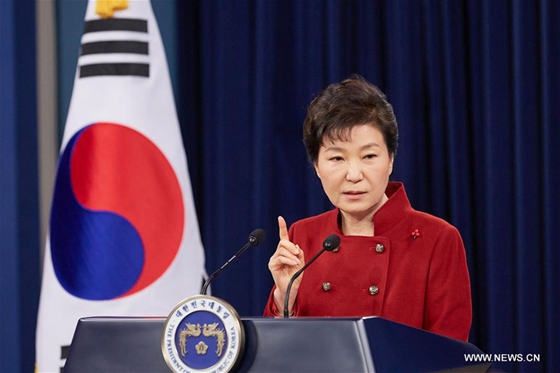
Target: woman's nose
[{"x": 354, "y": 172}]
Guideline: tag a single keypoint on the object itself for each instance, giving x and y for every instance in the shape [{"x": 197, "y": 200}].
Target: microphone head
[
  {"x": 257, "y": 237},
  {"x": 331, "y": 242}
]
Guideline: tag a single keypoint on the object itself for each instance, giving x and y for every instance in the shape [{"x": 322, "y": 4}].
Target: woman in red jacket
[{"x": 393, "y": 261}]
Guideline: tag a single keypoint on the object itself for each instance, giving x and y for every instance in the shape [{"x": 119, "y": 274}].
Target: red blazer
[{"x": 413, "y": 271}]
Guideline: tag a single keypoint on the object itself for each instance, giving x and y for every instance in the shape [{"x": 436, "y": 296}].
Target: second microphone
[{"x": 329, "y": 244}]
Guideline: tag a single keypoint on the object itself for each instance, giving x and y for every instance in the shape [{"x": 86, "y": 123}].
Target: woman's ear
[{"x": 317, "y": 169}]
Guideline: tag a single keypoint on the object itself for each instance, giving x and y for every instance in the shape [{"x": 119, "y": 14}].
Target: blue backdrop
[
  {"x": 475, "y": 86},
  {"x": 19, "y": 200}
]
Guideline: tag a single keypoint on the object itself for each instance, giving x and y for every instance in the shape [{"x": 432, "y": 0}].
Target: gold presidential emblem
[
  {"x": 189, "y": 331},
  {"x": 202, "y": 334},
  {"x": 211, "y": 330}
]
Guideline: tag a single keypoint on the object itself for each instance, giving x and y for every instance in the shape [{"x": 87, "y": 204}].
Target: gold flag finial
[{"x": 106, "y": 8}]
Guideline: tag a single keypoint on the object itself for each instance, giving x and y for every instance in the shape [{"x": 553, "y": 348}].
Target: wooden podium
[{"x": 371, "y": 344}]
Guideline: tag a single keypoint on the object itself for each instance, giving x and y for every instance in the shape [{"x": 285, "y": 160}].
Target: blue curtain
[
  {"x": 475, "y": 89},
  {"x": 19, "y": 205}
]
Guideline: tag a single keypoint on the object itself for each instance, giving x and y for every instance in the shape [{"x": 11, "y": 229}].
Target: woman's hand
[{"x": 283, "y": 264}]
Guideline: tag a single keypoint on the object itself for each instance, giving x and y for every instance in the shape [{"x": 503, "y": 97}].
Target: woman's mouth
[{"x": 354, "y": 194}]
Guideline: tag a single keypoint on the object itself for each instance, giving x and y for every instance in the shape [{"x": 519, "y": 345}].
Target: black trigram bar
[
  {"x": 115, "y": 69},
  {"x": 64, "y": 352},
  {"x": 116, "y": 24},
  {"x": 136, "y": 47}
]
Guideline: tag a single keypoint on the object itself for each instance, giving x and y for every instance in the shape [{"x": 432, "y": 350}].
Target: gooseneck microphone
[
  {"x": 329, "y": 244},
  {"x": 255, "y": 238}
]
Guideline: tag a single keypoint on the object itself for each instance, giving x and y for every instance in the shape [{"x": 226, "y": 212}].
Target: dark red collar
[{"x": 390, "y": 214}]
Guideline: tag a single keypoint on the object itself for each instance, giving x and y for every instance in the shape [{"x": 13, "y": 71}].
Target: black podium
[{"x": 372, "y": 344}]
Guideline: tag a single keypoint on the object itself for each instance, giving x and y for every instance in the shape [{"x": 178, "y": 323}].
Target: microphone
[
  {"x": 329, "y": 244},
  {"x": 255, "y": 238}
]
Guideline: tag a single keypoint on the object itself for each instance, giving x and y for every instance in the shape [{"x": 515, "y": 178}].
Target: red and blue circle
[{"x": 117, "y": 219}]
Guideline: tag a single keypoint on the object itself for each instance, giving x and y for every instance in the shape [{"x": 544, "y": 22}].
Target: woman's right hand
[{"x": 283, "y": 264}]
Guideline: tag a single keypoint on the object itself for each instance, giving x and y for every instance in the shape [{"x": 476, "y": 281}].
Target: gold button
[
  {"x": 327, "y": 286},
  {"x": 379, "y": 248},
  {"x": 373, "y": 290}
]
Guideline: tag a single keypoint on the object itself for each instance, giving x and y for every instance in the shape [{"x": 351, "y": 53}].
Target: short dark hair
[{"x": 342, "y": 106}]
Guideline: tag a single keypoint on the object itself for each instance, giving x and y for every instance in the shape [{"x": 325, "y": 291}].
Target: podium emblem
[{"x": 202, "y": 334}]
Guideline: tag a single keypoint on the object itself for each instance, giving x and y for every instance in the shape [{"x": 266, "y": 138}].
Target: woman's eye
[
  {"x": 337, "y": 159},
  {"x": 370, "y": 156}
]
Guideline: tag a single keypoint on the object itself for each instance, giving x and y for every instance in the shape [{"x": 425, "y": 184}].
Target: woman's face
[{"x": 355, "y": 172}]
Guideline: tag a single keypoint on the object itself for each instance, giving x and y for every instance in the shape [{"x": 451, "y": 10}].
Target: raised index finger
[{"x": 283, "y": 229}]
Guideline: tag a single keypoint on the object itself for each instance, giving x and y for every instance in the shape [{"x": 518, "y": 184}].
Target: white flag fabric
[{"x": 124, "y": 238}]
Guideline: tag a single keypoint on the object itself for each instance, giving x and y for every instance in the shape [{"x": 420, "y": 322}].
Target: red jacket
[{"x": 413, "y": 271}]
